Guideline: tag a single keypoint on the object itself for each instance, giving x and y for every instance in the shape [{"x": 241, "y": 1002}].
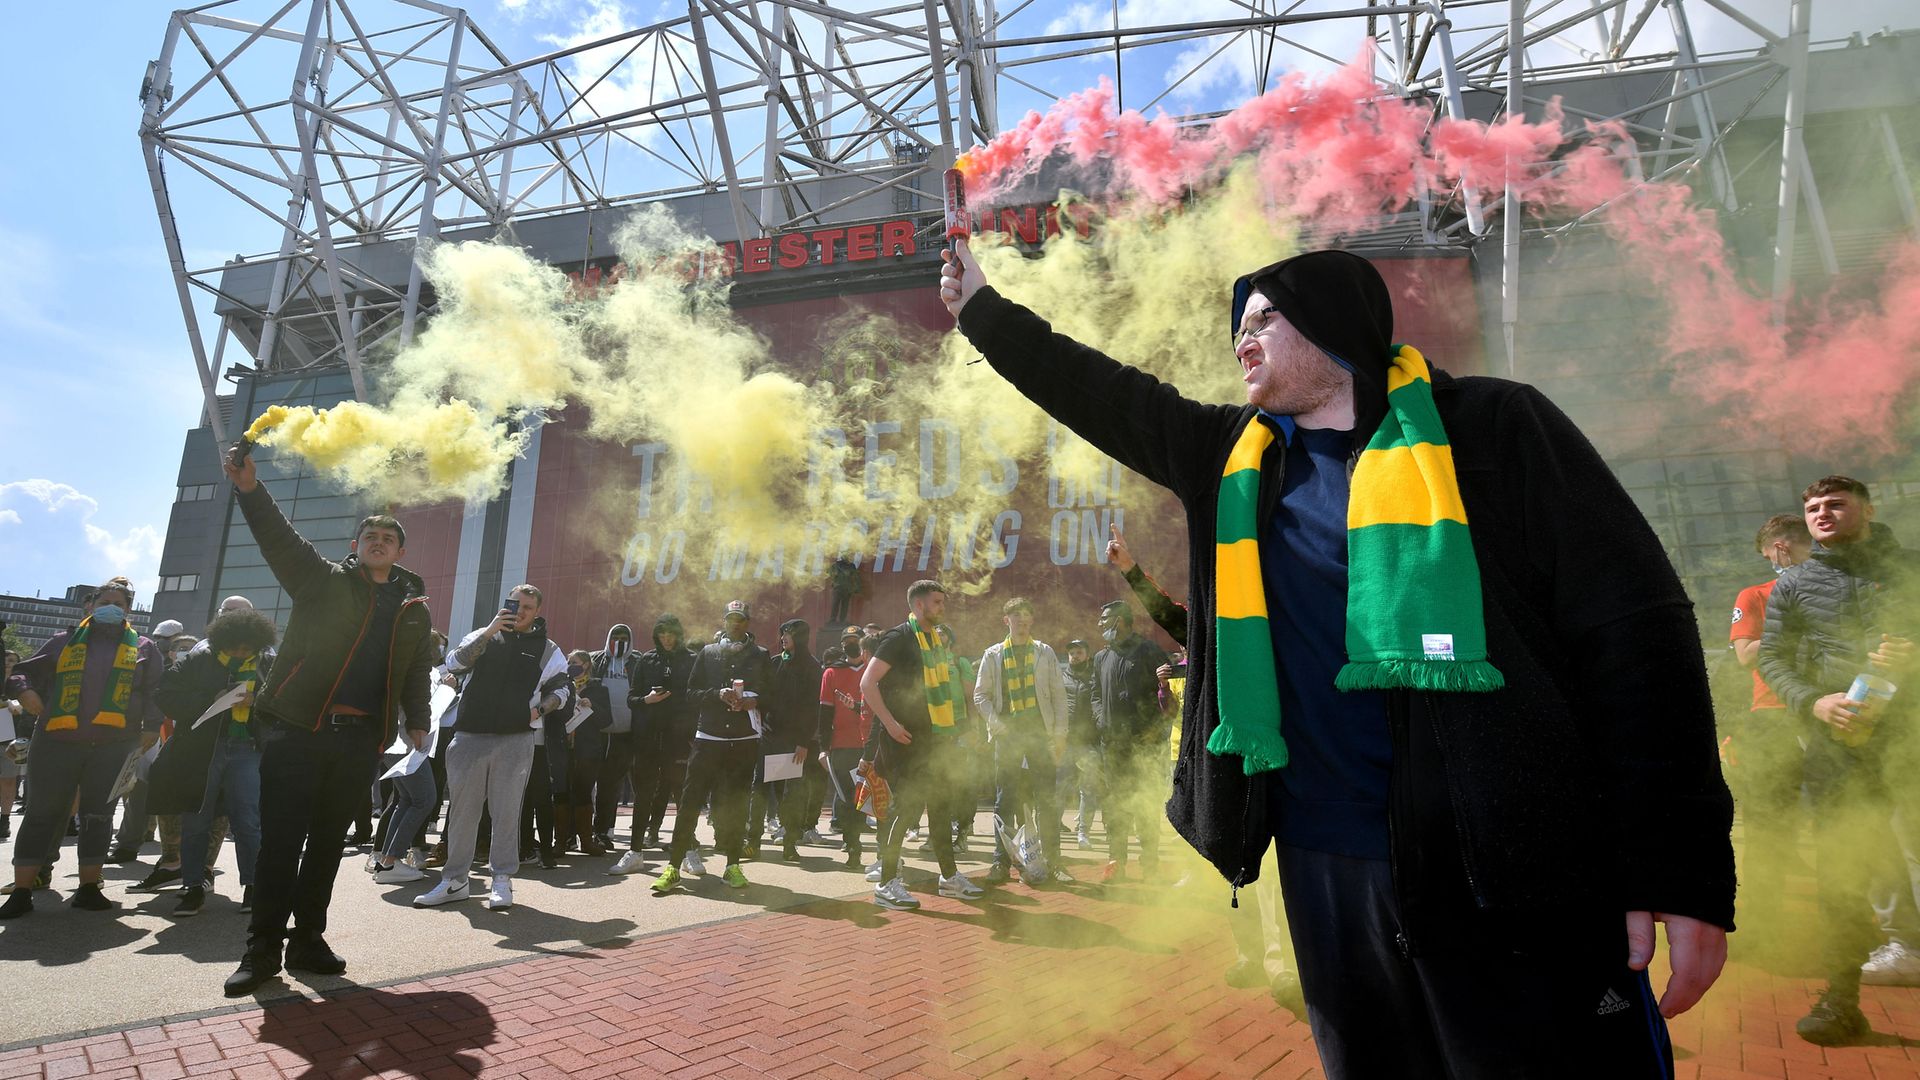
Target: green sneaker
[
  {"x": 735, "y": 877},
  {"x": 668, "y": 880}
]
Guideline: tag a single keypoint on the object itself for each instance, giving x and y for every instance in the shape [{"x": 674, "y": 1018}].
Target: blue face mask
[{"x": 109, "y": 613}]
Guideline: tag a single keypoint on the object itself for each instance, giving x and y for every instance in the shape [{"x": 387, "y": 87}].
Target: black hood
[
  {"x": 802, "y": 636},
  {"x": 665, "y": 624},
  {"x": 1338, "y": 301}
]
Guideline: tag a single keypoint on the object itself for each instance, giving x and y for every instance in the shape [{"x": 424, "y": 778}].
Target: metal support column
[
  {"x": 430, "y": 185},
  {"x": 159, "y": 82},
  {"x": 1456, "y": 108},
  {"x": 1712, "y": 155},
  {"x": 1511, "y": 219},
  {"x": 1794, "y": 57},
  {"x": 721, "y": 140}
]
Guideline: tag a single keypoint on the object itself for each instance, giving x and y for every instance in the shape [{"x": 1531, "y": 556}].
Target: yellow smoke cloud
[{"x": 763, "y": 460}]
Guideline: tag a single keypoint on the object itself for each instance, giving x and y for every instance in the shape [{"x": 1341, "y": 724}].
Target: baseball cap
[{"x": 738, "y": 607}]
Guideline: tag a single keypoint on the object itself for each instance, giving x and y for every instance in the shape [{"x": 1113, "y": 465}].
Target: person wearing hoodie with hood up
[
  {"x": 1487, "y": 779},
  {"x": 653, "y": 751},
  {"x": 793, "y": 725}
]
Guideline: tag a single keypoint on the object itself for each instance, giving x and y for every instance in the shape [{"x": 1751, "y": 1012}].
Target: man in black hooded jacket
[
  {"x": 793, "y": 722},
  {"x": 654, "y": 752},
  {"x": 1484, "y": 868}
]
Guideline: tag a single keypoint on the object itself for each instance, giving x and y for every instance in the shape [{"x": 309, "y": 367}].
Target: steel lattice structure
[{"x": 400, "y": 120}]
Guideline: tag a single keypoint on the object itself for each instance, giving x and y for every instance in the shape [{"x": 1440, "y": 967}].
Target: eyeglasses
[{"x": 1254, "y": 324}]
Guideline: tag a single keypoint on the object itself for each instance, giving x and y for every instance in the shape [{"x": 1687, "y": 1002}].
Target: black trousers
[
  {"x": 1132, "y": 796},
  {"x": 673, "y": 780},
  {"x": 312, "y": 784},
  {"x": 1570, "y": 1009},
  {"x": 920, "y": 780},
  {"x": 723, "y": 772},
  {"x": 634, "y": 757}
]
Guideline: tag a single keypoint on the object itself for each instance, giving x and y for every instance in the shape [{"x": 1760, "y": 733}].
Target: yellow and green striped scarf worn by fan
[
  {"x": 1016, "y": 675},
  {"x": 69, "y": 671},
  {"x": 936, "y": 674},
  {"x": 1414, "y": 614}
]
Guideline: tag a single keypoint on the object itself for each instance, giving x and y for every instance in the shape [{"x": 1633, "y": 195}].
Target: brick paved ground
[{"x": 1072, "y": 983}]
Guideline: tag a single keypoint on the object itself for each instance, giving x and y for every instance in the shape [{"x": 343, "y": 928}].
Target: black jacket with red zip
[
  {"x": 1589, "y": 785},
  {"x": 332, "y": 605}
]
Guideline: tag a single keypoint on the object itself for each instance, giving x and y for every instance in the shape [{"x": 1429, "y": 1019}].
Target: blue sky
[{"x": 99, "y": 384}]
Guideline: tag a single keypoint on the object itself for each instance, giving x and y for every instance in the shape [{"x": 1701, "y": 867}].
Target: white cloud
[
  {"x": 635, "y": 82},
  {"x": 48, "y": 540}
]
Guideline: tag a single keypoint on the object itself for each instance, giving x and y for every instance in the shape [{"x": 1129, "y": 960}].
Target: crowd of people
[
  {"x": 1476, "y": 781},
  {"x": 530, "y": 750},
  {"x": 1828, "y": 640}
]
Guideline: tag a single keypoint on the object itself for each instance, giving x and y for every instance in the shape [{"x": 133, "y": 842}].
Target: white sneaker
[
  {"x": 894, "y": 896},
  {"x": 1892, "y": 964},
  {"x": 692, "y": 866},
  {"x": 779, "y": 833},
  {"x": 913, "y": 836},
  {"x": 446, "y": 892},
  {"x": 811, "y": 836},
  {"x": 873, "y": 873},
  {"x": 417, "y": 858},
  {"x": 373, "y": 865},
  {"x": 959, "y": 887},
  {"x": 398, "y": 874},
  {"x": 501, "y": 897},
  {"x": 629, "y": 863}
]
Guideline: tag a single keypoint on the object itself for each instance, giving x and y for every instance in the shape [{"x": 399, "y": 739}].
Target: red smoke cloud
[{"x": 1334, "y": 154}]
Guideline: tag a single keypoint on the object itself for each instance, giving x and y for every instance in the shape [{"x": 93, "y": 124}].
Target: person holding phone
[{"x": 515, "y": 676}]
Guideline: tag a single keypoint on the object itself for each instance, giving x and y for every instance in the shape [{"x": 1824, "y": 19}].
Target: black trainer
[
  {"x": 192, "y": 899},
  {"x": 19, "y": 902},
  {"x": 256, "y": 967},
  {"x": 246, "y": 900},
  {"x": 789, "y": 854},
  {"x": 88, "y": 897},
  {"x": 997, "y": 873},
  {"x": 1833, "y": 1021},
  {"x": 160, "y": 876},
  {"x": 312, "y": 955}
]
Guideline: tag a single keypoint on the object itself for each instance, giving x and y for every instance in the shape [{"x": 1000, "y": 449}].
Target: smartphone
[{"x": 511, "y": 605}]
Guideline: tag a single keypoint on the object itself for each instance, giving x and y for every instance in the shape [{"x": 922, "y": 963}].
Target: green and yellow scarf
[
  {"x": 936, "y": 674},
  {"x": 1016, "y": 676},
  {"x": 1414, "y": 613},
  {"x": 70, "y": 671},
  {"x": 239, "y": 671}
]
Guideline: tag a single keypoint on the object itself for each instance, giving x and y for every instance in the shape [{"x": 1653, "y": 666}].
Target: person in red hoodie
[
  {"x": 844, "y": 720},
  {"x": 1766, "y": 746}
]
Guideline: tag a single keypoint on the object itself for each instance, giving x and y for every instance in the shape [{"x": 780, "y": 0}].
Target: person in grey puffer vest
[{"x": 1850, "y": 610}]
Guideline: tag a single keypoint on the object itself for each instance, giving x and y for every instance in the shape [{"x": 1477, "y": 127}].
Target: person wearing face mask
[
  {"x": 206, "y": 766},
  {"x": 616, "y": 692},
  {"x": 97, "y": 682},
  {"x": 1766, "y": 746}
]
